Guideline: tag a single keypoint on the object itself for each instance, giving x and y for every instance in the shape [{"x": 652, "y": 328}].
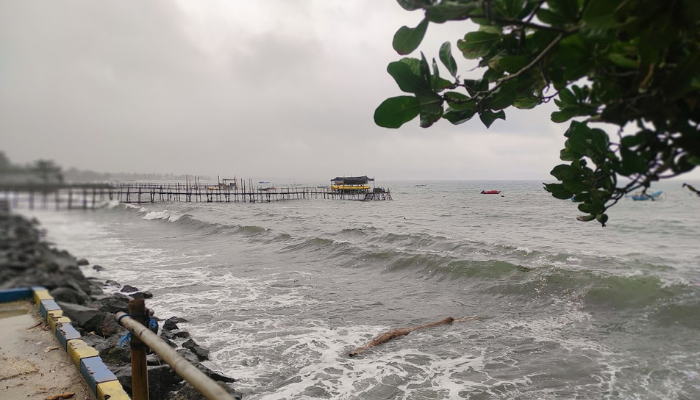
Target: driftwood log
[{"x": 387, "y": 336}]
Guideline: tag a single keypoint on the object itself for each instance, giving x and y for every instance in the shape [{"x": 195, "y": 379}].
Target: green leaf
[
  {"x": 622, "y": 61},
  {"x": 449, "y": 11},
  {"x": 414, "y": 63},
  {"x": 436, "y": 74},
  {"x": 632, "y": 162},
  {"x": 396, "y": 111},
  {"x": 512, "y": 64},
  {"x": 563, "y": 115},
  {"x": 427, "y": 120},
  {"x": 567, "y": 97},
  {"x": 678, "y": 81},
  {"x": 457, "y": 117},
  {"x": 558, "y": 191},
  {"x": 405, "y": 78},
  {"x": 569, "y": 155},
  {"x": 410, "y": 5},
  {"x": 430, "y": 102},
  {"x": 632, "y": 140},
  {"x": 442, "y": 84},
  {"x": 425, "y": 70},
  {"x": 601, "y": 14},
  {"x": 585, "y": 208},
  {"x": 602, "y": 218},
  {"x": 458, "y": 101},
  {"x": 552, "y": 18},
  {"x": 408, "y": 39},
  {"x": 526, "y": 103},
  {"x": 502, "y": 97},
  {"x": 575, "y": 186},
  {"x": 565, "y": 171},
  {"x": 477, "y": 44},
  {"x": 585, "y": 218},
  {"x": 476, "y": 85},
  {"x": 508, "y": 8},
  {"x": 487, "y": 117},
  {"x": 447, "y": 60}
]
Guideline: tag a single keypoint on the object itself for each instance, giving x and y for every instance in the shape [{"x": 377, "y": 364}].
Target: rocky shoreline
[{"x": 27, "y": 260}]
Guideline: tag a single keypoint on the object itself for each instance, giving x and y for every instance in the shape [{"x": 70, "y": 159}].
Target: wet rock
[
  {"x": 109, "y": 327},
  {"x": 98, "y": 268},
  {"x": 129, "y": 289},
  {"x": 169, "y": 342},
  {"x": 142, "y": 295},
  {"x": 110, "y": 282},
  {"x": 69, "y": 295},
  {"x": 170, "y": 324},
  {"x": 190, "y": 393},
  {"x": 201, "y": 353},
  {"x": 116, "y": 355},
  {"x": 87, "y": 318},
  {"x": 181, "y": 334},
  {"x": 188, "y": 355},
  {"x": 175, "y": 334},
  {"x": 161, "y": 381},
  {"x": 93, "y": 340},
  {"x": 154, "y": 359},
  {"x": 114, "y": 304},
  {"x": 83, "y": 261}
]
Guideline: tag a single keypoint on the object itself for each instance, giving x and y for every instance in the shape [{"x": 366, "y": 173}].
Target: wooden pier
[{"x": 91, "y": 196}]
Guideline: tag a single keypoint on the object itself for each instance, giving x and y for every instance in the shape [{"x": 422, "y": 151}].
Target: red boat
[{"x": 490, "y": 191}]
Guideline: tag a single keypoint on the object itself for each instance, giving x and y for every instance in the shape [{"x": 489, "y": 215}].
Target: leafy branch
[{"x": 639, "y": 59}]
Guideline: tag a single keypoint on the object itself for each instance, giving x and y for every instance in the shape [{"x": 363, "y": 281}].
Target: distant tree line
[{"x": 47, "y": 171}]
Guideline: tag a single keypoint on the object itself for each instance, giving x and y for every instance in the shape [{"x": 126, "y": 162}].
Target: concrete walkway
[{"x": 33, "y": 364}]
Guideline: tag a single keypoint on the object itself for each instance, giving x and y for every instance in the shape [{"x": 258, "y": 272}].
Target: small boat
[
  {"x": 490, "y": 192},
  {"x": 647, "y": 196}
]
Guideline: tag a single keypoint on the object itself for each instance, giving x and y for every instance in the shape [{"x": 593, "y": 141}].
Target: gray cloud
[{"x": 258, "y": 89}]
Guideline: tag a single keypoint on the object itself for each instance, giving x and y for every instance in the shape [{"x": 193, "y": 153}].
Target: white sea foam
[{"x": 169, "y": 216}]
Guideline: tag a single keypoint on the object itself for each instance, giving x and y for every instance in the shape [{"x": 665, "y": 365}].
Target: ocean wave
[{"x": 169, "y": 216}]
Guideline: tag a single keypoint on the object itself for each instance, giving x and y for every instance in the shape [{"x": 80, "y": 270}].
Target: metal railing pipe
[{"x": 210, "y": 389}]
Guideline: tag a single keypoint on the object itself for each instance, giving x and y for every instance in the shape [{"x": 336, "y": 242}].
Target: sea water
[{"x": 281, "y": 292}]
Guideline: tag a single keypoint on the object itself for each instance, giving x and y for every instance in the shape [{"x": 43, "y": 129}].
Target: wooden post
[{"x": 139, "y": 369}]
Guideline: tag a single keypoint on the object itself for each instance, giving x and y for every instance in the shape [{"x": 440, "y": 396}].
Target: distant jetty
[{"x": 89, "y": 196}]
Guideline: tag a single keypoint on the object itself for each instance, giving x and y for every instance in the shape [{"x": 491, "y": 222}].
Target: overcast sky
[{"x": 260, "y": 89}]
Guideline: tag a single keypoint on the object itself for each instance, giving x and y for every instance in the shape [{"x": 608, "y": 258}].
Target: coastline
[{"x": 26, "y": 260}]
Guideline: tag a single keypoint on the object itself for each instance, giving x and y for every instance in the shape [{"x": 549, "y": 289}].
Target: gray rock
[
  {"x": 188, "y": 355},
  {"x": 114, "y": 304},
  {"x": 169, "y": 342},
  {"x": 116, "y": 355},
  {"x": 87, "y": 318},
  {"x": 69, "y": 295},
  {"x": 109, "y": 327},
  {"x": 170, "y": 324},
  {"x": 201, "y": 352},
  {"x": 129, "y": 289},
  {"x": 83, "y": 261},
  {"x": 190, "y": 393},
  {"x": 161, "y": 381},
  {"x": 98, "y": 268},
  {"x": 110, "y": 282},
  {"x": 142, "y": 295}
]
